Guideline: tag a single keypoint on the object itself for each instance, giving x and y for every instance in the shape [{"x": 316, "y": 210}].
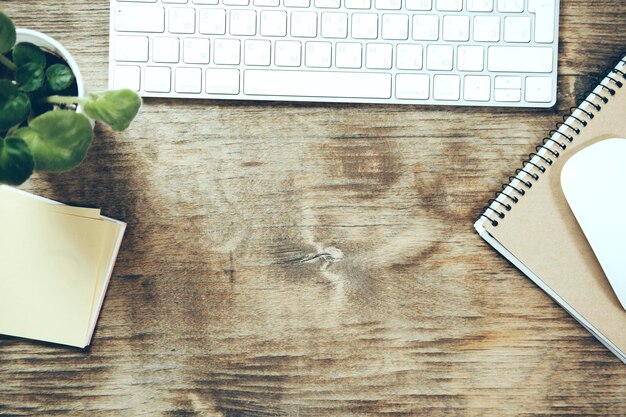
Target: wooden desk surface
[{"x": 313, "y": 259}]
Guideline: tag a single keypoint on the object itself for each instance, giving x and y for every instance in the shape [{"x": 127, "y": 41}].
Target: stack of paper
[{"x": 55, "y": 266}]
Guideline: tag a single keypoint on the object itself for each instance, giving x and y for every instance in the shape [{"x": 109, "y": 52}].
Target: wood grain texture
[{"x": 313, "y": 259}]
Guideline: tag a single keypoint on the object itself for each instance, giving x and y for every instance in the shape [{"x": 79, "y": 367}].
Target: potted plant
[{"x": 46, "y": 118}]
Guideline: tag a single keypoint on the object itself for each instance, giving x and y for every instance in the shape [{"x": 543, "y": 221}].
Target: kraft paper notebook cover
[
  {"x": 55, "y": 265},
  {"x": 532, "y": 225}
]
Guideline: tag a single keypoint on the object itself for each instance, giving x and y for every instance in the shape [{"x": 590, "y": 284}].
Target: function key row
[{"x": 503, "y": 6}]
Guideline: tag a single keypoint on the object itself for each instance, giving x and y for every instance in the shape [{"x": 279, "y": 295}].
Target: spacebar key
[{"x": 317, "y": 84}]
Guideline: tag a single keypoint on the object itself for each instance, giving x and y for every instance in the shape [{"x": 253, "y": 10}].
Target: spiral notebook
[{"x": 530, "y": 222}]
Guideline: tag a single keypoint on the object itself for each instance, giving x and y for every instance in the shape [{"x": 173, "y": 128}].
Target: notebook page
[
  {"x": 113, "y": 233},
  {"x": 49, "y": 264},
  {"x": 19, "y": 196}
]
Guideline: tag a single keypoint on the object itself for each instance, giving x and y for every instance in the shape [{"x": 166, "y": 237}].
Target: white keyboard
[{"x": 463, "y": 52}]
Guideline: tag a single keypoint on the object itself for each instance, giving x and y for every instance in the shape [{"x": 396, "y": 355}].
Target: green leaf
[
  {"x": 16, "y": 161},
  {"x": 59, "y": 139},
  {"x": 7, "y": 33},
  {"x": 14, "y": 111},
  {"x": 116, "y": 108},
  {"x": 8, "y": 90},
  {"x": 24, "y": 53},
  {"x": 30, "y": 77},
  {"x": 59, "y": 77}
]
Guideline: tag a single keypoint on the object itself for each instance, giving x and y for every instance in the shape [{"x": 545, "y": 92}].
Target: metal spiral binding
[
  {"x": 505, "y": 199},
  {"x": 558, "y": 132}
]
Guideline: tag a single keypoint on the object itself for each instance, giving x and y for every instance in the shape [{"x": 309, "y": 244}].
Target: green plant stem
[
  {"x": 12, "y": 131},
  {"x": 64, "y": 100},
  {"x": 7, "y": 63}
]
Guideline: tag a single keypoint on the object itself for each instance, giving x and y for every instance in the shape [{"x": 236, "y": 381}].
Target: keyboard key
[
  {"x": 515, "y": 6},
  {"x": 157, "y": 79},
  {"x": 395, "y": 26},
  {"x": 456, "y": 28},
  {"x": 477, "y": 88},
  {"x": 479, "y": 6},
  {"x": 188, "y": 80},
  {"x": 388, "y": 4},
  {"x": 539, "y": 89},
  {"x": 288, "y": 54},
  {"x": 174, "y": 1},
  {"x": 447, "y": 87},
  {"x": 504, "y": 95},
  {"x": 517, "y": 29},
  {"x": 257, "y": 52},
  {"x": 236, "y": 2},
  {"x": 274, "y": 23},
  {"x": 413, "y": 86},
  {"x": 296, "y": 3},
  {"x": 196, "y": 50},
  {"x": 267, "y": 3},
  {"x": 505, "y": 82},
  {"x": 318, "y": 54},
  {"x": 409, "y": 57},
  {"x": 449, "y": 5},
  {"x": 212, "y": 21},
  {"x": 425, "y": 27},
  {"x": 140, "y": 19},
  {"x": 470, "y": 58},
  {"x": 439, "y": 57},
  {"x": 304, "y": 24},
  {"x": 334, "y": 25},
  {"x": 364, "y": 26},
  {"x": 378, "y": 55},
  {"x": 357, "y": 4},
  {"x": 227, "y": 51},
  {"x": 327, "y": 4},
  {"x": 508, "y": 89},
  {"x": 348, "y": 55},
  {"x": 165, "y": 49},
  {"x": 205, "y": 1},
  {"x": 242, "y": 22},
  {"x": 131, "y": 48},
  {"x": 222, "y": 81},
  {"x": 486, "y": 29},
  {"x": 127, "y": 76},
  {"x": 419, "y": 4},
  {"x": 519, "y": 59},
  {"x": 316, "y": 84},
  {"x": 544, "y": 19},
  {"x": 182, "y": 20}
]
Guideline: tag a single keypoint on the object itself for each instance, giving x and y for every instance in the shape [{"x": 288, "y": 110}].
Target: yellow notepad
[
  {"x": 532, "y": 225},
  {"x": 55, "y": 264}
]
